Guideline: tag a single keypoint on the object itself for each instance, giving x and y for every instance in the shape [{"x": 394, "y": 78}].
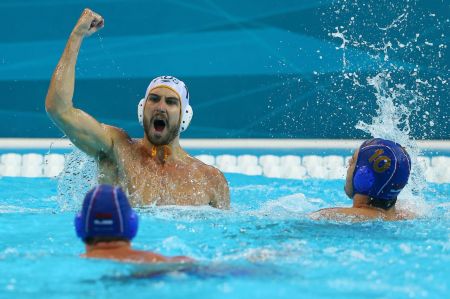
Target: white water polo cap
[{"x": 180, "y": 89}]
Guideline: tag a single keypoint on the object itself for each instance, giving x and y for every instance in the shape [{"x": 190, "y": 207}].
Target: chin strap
[{"x": 165, "y": 148}]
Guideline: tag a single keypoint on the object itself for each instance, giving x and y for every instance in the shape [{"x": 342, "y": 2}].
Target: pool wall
[
  {"x": 253, "y": 71},
  {"x": 290, "y": 159}
]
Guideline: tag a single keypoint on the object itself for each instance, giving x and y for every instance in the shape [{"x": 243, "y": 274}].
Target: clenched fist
[{"x": 88, "y": 23}]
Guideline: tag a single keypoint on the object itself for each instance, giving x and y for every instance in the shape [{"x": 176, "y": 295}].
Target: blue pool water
[
  {"x": 308, "y": 69},
  {"x": 264, "y": 247}
]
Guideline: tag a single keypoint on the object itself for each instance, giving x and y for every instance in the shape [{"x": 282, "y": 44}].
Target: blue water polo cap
[
  {"x": 106, "y": 212},
  {"x": 382, "y": 169}
]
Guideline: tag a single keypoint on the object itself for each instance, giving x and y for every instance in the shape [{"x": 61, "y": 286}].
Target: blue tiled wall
[{"x": 254, "y": 68}]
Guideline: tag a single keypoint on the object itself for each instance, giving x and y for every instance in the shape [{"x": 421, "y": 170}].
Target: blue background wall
[{"x": 254, "y": 68}]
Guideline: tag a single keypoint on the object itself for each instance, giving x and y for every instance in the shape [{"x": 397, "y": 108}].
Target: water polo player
[
  {"x": 153, "y": 169},
  {"x": 107, "y": 224},
  {"x": 377, "y": 172}
]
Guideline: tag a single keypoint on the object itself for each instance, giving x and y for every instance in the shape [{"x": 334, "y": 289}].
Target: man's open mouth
[{"x": 159, "y": 125}]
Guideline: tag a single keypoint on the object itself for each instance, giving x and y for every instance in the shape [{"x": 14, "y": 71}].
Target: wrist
[{"x": 76, "y": 34}]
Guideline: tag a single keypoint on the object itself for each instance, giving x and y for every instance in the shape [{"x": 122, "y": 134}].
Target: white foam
[{"x": 294, "y": 205}]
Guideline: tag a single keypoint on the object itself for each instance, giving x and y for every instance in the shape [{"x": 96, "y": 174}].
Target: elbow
[
  {"x": 50, "y": 102},
  {"x": 50, "y": 107},
  {"x": 53, "y": 104}
]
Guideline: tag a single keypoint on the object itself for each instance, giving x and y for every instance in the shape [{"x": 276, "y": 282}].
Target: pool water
[{"x": 264, "y": 247}]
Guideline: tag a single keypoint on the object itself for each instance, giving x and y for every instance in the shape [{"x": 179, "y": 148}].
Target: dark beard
[{"x": 172, "y": 134}]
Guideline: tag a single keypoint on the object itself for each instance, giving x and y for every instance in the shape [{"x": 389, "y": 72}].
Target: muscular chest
[{"x": 149, "y": 182}]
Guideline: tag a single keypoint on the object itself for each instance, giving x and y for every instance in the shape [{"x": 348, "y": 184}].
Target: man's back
[
  {"x": 121, "y": 251},
  {"x": 107, "y": 224}
]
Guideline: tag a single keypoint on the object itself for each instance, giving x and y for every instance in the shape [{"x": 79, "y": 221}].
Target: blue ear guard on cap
[
  {"x": 363, "y": 179},
  {"x": 382, "y": 169},
  {"x": 106, "y": 212}
]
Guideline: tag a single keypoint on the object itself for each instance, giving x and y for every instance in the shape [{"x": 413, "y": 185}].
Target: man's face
[
  {"x": 350, "y": 170},
  {"x": 162, "y": 116}
]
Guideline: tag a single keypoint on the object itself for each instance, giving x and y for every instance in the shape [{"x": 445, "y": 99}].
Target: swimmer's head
[
  {"x": 165, "y": 111},
  {"x": 106, "y": 215},
  {"x": 379, "y": 169}
]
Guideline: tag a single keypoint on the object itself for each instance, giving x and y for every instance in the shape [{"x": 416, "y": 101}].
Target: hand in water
[{"x": 88, "y": 23}]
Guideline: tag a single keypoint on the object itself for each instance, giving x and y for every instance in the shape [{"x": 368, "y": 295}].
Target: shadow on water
[{"x": 203, "y": 270}]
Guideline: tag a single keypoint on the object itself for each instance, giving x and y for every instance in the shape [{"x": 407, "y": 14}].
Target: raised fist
[{"x": 88, "y": 23}]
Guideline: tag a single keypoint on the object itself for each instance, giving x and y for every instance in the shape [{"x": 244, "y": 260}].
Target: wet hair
[
  {"x": 94, "y": 240},
  {"x": 382, "y": 203}
]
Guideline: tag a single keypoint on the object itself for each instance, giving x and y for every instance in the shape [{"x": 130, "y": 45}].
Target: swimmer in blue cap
[
  {"x": 153, "y": 169},
  {"x": 107, "y": 224},
  {"x": 376, "y": 174}
]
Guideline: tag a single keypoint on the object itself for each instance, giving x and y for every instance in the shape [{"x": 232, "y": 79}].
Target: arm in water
[
  {"x": 82, "y": 129},
  {"x": 360, "y": 214},
  {"x": 123, "y": 252}
]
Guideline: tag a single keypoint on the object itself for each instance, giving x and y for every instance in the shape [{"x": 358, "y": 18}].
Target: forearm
[
  {"x": 60, "y": 93},
  {"x": 82, "y": 129},
  {"x": 346, "y": 214}
]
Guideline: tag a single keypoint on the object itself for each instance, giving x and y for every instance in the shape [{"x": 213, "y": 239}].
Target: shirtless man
[
  {"x": 153, "y": 169},
  {"x": 107, "y": 224},
  {"x": 377, "y": 172}
]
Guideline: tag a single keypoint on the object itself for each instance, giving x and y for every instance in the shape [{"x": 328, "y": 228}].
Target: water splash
[
  {"x": 79, "y": 175},
  {"x": 392, "y": 121},
  {"x": 389, "y": 38}
]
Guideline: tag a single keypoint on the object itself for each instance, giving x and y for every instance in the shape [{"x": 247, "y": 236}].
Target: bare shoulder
[
  {"x": 212, "y": 173},
  {"x": 119, "y": 137},
  {"x": 117, "y": 134},
  {"x": 404, "y": 215},
  {"x": 218, "y": 185}
]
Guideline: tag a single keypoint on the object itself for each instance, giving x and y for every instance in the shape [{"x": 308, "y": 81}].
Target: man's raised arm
[{"x": 83, "y": 130}]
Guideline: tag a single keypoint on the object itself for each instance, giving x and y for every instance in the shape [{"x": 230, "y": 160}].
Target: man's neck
[
  {"x": 108, "y": 246},
  {"x": 163, "y": 153},
  {"x": 362, "y": 201}
]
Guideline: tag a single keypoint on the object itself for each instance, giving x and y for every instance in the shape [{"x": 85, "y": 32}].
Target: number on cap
[{"x": 380, "y": 163}]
